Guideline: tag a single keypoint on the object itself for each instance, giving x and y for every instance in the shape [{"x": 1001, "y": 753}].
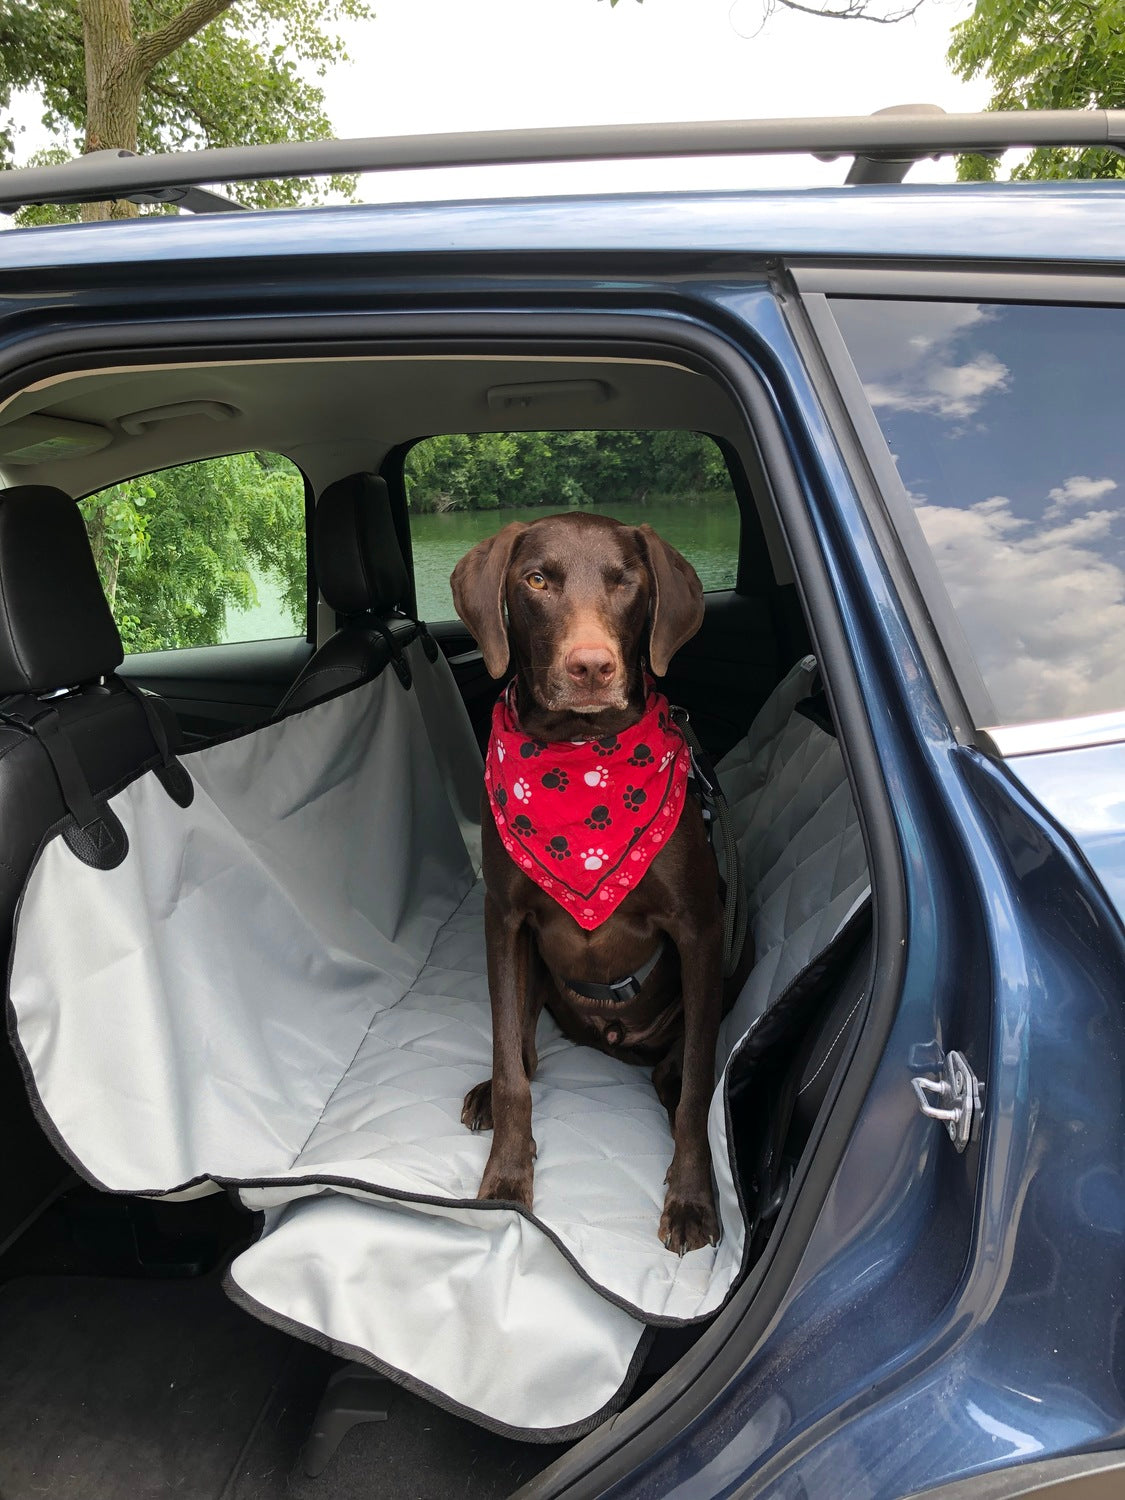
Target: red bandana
[{"x": 586, "y": 818}]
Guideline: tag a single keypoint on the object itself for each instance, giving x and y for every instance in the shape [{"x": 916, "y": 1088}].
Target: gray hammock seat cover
[{"x": 283, "y": 987}]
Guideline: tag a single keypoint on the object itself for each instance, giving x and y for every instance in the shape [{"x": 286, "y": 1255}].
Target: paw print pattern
[
  {"x": 641, "y": 756},
  {"x": 555, "y": 780},
  {"x": 635, "y": 797},
  {"x": 596, "y": 778},
  {"x": 531, "y": 748},
  {"x": 523, "y": 825},
  {"x": 501, "y": 797},
  {"x": 599, "y": 817},
  {"x": 557, "y": 847},
  {"x": 593, "y": 859},
  {"x": 521, "y": 790},
  {"x": 608, "y": 745}
]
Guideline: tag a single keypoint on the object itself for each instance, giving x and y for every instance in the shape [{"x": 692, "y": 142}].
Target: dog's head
[{"x": 569, "y": 599}]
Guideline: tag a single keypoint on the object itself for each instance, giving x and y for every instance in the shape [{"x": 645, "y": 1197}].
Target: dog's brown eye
[{"x": 537, "y": 581}]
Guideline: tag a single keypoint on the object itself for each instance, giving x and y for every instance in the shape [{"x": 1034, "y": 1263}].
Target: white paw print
[
  {"x": 521, "y": 791},
  {"x": 666, "y": 760},
  {"x": 593, "y": 859},
  {"x": 500, "y": 751},
  {"x": 596, "y": 778}
]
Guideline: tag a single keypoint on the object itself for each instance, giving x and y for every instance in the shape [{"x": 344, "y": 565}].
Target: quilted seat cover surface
[{"x": 282, "y": 988}]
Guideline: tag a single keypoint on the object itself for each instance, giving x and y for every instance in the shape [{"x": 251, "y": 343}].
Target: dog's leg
[
  {"x": 509, "y": 1172},
  {"x": 476, "y": 1111},
  {"x": 689, "y": 1220},
  {"x": 668, "y": 1078}
]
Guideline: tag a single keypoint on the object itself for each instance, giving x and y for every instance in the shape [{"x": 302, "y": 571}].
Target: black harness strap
[
  {"x": 619, "y": 990},
  {"x": 93, "y": 832},
  {"x": 171, "y": 774}
]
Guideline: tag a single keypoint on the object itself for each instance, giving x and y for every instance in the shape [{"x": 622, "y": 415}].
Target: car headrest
[
  {"x": 56, "y": 629},
  {"x": 359, "y": 563}
]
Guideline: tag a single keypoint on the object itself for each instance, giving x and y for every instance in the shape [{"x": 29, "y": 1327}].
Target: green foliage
[
  {"x": 237, "y": 82},
  {"x": 178, "y": 548},
  {"x": 1046, "y": 54},
  {"x": 493, "y": 470}
]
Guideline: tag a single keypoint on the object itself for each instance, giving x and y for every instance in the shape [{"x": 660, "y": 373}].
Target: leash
[{"x": 716, "y": 810}]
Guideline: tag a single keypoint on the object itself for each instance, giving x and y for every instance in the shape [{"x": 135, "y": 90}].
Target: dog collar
[{"x": 584, "y": 819}]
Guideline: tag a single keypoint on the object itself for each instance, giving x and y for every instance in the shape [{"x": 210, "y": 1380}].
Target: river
[{"x": 705, "y": 531}]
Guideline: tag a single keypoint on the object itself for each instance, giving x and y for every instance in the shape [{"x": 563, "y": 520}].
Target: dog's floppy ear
[
  {"x": 676, "y": 611},
  {"x": 478, "y": 594}
]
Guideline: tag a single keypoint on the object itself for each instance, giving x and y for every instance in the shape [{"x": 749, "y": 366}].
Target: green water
[{"x": 705, "y": 531}]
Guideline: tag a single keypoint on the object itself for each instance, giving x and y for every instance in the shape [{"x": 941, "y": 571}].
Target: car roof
[{"x": 1074, "y": 222}]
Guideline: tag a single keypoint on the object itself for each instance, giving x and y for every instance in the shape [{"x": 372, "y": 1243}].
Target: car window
[
  {"x": 463, "y": 487},
  {"x": 204, "y": 553},
  {"x": 1002, "y": 421}
]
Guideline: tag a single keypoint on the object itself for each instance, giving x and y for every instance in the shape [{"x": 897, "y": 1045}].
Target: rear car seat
[
  {"x": 363, "y": 576},
  {"x": 283, "y": 987},
  {"x": 59, "y": 648}
]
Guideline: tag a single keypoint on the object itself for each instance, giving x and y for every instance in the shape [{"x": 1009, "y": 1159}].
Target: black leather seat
[
  {"x": 70, "y": 732},
  {"x": 363, "y": 577}
]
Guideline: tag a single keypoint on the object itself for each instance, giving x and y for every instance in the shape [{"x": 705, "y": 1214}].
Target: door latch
[{"x": 954, "y": 1097}]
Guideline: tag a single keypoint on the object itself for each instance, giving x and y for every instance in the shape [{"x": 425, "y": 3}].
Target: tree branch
[
  {"x": 852, "y": 10},
  {"x": 154, "y": 46}
]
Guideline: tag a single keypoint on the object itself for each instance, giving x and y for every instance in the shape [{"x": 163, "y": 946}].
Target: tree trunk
[
  {"x": 118, "y": 64},
  {"x": 114, "y": 80}
]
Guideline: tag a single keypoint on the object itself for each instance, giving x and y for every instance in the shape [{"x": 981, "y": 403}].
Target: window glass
[
  {"x": 203, "y": 553},
  {"x": 463, "y": 487},
  {"x": 1002, "y": 422}
]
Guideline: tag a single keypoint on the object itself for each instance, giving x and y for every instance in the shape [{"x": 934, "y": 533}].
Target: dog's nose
[{"x": 591, "y": 666}]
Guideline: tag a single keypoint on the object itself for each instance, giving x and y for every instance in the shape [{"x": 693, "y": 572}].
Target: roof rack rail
[{"x": 893, "y": 137}]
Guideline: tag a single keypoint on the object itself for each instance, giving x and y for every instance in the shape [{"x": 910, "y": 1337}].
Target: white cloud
[
  {"x": 951, "y": 391},
  {"x": 1043, "y": 608},
  {"x": 1078, "y": 490}
]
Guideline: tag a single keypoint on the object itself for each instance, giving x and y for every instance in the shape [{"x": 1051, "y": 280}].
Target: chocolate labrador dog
[{"x": 573, "y": 604}]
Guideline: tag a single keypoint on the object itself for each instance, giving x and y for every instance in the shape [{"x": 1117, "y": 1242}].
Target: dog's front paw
[
  {"x": 504, "y": 1184},
  {"x": 688, "y": 1223},
  {"x": 476, "y": 1112}
]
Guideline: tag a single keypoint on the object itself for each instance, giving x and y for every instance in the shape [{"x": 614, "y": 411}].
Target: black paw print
[
  {"x": 557, "y": 848},
  {"x": 635, "y": 797},
  {"x": 641, "y": 756},
  {"x": 663, "y": 720},
  {"x": 531, "y": 748},
  {"x": 501, "y": 797},
  {"x": 523, "y": 824},
  {"x": 555, "y": 780},
  {"x": 599, "y": 817},
  {"x": 608, "y": 745}
]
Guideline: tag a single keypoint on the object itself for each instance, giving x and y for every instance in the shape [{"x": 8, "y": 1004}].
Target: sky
[{"x": 435, "y": 65}]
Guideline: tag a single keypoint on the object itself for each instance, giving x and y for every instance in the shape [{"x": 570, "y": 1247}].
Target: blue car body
[{"x": 950, "y": 1314}]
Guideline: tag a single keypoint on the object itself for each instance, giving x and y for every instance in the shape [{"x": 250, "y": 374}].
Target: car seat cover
[{"x": 283, "y": 987}]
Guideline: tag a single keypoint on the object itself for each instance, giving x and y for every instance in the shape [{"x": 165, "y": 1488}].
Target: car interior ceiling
[{"x": 123, "y": 1367}]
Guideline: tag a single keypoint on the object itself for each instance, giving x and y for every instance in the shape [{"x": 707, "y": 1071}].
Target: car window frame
[{"x": 312, "y": 588}]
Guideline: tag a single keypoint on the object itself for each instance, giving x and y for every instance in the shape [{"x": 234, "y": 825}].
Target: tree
[
  {"x": 164, "y": 75},
  {"x": 1046, "y": 54},
  {"x": 494, "y": 470},
  {"x": 177, "y": 549}
]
